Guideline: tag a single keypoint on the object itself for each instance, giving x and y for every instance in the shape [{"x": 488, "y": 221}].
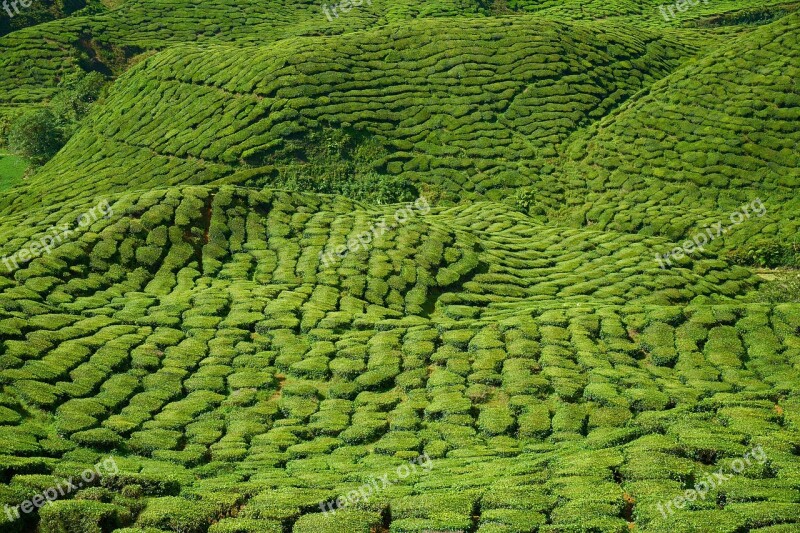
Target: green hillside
[
  {"x": 444, "y": 266},
  {"x": 443, "y": 105},
  {"x": 36, "y": 57},
  {"x": 720, "y": 132}
]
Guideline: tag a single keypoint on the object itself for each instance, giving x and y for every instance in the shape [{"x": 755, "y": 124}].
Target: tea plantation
[
  {"x": 719, "y": 133},
  {"x": 410, "y": 270}
]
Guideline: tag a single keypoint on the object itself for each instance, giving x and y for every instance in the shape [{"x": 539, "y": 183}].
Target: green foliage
[
  {"x": 101, "y": 438},
  {"x": 338, "y": 161},
  {"x": 40, "y": 133},
  {"x": 525, "y": 199},
  {"x": 768, "y": 255},
  {"x": 342, "y": 522},
  {"x": 40, "y": 12},
  {"x": 36, "y": 135},
  {"x": 246, "y": 525},
  {"x": 76, "y": 93},
  {"x": 81, "y": 516},
  {"x": 178, "y": 514},
  {"x": 785, "y": 287},
  {"x": 150, "y": 484},
  {"x": 553, "y": 376}
]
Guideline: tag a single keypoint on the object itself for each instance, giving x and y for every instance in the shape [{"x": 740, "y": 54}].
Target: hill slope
[
  {"x": 710, "y": 137},
  {"x": 485, "y": 330},
  {"x": 445, "y": 106}
]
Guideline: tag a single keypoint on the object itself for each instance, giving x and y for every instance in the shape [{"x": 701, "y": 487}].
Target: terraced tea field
[
  {"x": 642, "y": 156},
  {"x": 421, "y": 268}
]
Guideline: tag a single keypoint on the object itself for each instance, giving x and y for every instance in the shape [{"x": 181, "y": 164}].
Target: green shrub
[
  {"x": 179, "y": 514},
  {"x": 659, "y": 340},
  {"x": 364, "y": 427},
  {"x": 81, "y": 516},
  {"x": 37, "y": 135},
  {"x": 343, "y": 521},
  {"x": 646, "y": 399},
  {"x": 285, "y": 504},
  {"x": 496, "y": 420},
  {"x": 100, "y": 438},
  {"x": 534, "y": 422},
  {"x": 149, "y": 484},
  {"x": 147, "y": 441},
  {"x": 724, "y": 347},
  {"x": 246, "y": 525},
  {"x": 517, "y": 520},
  {"x": 768, "y": 254}
]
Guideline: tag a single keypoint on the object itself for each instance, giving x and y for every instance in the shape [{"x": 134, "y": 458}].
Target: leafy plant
[
  {"x": 36, "y": 135},
  {"x": 784, "y": 288},
  {"x": 41, "y": 133},
  {"x": 769, "y": 254},
  {"x": 525, "y": 199},
  {"x": 78, "y": 91},
  {"x": 339, "y": 161}
]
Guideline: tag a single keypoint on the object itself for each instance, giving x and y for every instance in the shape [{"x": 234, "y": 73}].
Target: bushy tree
[
  {"x": 77, "y": 92},
  {"x": 36, "y": 135},
  {"x": 40, "y": 134}
]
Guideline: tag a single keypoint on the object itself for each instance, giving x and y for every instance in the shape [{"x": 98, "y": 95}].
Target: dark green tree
[
  {"x": 36, "y": 135},
  {"x": 40, "y": 134},
  {"x": 77, "y": 92}
]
